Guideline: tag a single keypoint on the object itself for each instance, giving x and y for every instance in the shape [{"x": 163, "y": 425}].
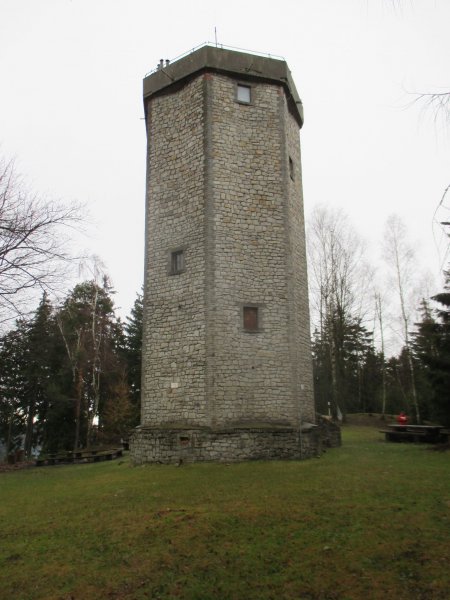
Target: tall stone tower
[{"x": 227, "y": 371}]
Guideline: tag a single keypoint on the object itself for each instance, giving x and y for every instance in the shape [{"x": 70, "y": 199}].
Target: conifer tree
[
  {"x": 13, "y": 383},
  {"x": 133, "y": 353},
  {"x": 432, "y": 348},
  {"x": 40, "y": 340}
]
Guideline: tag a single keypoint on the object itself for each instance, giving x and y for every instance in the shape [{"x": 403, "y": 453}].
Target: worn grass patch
[{"x": 369, "y": 520}]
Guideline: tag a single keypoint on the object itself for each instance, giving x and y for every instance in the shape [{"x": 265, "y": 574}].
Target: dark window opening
[
  {"x": 250, "y": 318},
  {"x": 177, "y": 262},
  {"x": 291, "y": 168}
]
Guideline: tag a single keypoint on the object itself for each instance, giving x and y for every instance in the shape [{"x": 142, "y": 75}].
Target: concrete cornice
[{"x": 241, "y": 64}]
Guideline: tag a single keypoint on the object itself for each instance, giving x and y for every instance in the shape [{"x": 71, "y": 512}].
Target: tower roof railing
[{"x": 223, "y": 47}]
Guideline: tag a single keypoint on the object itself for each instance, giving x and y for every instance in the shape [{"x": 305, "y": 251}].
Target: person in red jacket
[{"x": 402, "y": 419}]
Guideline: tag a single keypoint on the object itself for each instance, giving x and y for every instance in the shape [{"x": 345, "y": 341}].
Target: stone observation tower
[{"x": 227, "y": 371}]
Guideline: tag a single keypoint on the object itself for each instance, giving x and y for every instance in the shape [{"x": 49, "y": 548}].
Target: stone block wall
[
  {"x": 219, "y": 189},
  {"x": 252, "y": 369},
  {"x": 174, "y": 352},
  {"x": 300, "y": 341}
]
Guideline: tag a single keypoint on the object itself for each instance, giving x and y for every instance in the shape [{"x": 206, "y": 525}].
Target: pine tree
[
  {"x": 13, "y": 384},
  {"x": 117, "y": 413},
  {"x": 343, "y": 358},
  {"x": 432, "y": 348},
  {"x": 133, "y": 354},
  {"x": 40, "y": 339}
]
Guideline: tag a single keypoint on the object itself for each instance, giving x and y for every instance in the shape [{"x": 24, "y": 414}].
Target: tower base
[{"x": 175, "y": 445}]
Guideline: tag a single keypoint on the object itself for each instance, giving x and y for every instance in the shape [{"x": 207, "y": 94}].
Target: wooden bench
[
  {"x": 107, "y": 454},
  {"x": 79, "y": 456}
]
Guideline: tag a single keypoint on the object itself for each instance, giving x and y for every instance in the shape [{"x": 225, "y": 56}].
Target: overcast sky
[{"x": 71, "y": 106}]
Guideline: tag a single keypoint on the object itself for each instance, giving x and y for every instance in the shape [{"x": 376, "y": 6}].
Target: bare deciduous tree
[
  {"x": 339, "y": 278},
  {"x": 436, "y": 102},
  {"x": 96, "y": 270},
  {"x": 85, "y": 321},
  {"x": 379, "y": 318},
  {"x": 338, "y": 272},
  {"x": 32, "y": 242},
  {"x": 399, "y": 256}
]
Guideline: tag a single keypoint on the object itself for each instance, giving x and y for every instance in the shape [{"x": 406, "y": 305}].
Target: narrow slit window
[
  {"x": 250, "y": 317},
  {"x": 243, "y": 94},
  {"x": 177, "y": 262},
  {"x": 291, "y": 168}
]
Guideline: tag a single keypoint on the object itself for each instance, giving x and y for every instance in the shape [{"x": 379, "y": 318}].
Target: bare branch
[
  {"x": 436, "y": 103},
  {"x": 33, "y": 239}
]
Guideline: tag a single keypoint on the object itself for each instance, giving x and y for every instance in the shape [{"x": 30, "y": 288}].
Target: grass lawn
[{"x": 369, "y": 520}]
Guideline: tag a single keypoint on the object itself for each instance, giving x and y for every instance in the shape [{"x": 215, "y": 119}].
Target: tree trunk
[
  {"x": 401, "y": 255},
  {"x": 413, "y": 388},
  {"x": 28, "y": 444},
  {"x": 78, "y": 395},
  {"x": 334, "y": 386},
  {"x": 10, "y": 427},
  {"x": 383, "y": 366}
]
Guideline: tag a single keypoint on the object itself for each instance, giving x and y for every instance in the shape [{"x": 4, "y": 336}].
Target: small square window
[
  {"x": 243, "y": 94},
  {"x": 177, "y": 262},
  {"x": 250, "y": 318}
]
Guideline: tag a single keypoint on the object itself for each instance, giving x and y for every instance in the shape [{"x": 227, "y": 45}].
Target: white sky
[{"x": 71, "y": 108}]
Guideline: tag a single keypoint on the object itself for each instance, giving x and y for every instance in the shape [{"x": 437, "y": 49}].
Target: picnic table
[{"x": 399, "y": 432}]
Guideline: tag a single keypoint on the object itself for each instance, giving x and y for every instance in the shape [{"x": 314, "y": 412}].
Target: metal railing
[{"x": 216, "y": 45}]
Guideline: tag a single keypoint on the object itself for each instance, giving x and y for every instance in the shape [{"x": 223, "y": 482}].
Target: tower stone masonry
[{"x": 227, "y": 369}]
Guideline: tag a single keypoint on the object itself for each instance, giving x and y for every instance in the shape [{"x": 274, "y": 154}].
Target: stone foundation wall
[{"x": 171, "y": 446}]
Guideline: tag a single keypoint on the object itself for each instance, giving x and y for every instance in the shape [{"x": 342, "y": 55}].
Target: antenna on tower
[{"x": 215, "y": 34}]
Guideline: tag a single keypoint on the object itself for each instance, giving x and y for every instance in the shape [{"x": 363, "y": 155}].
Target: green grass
[{"x": 369, "y": 520}]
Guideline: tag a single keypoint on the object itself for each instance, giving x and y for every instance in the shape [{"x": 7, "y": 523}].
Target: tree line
[
  {"x": 70, "y": 374},
  {"x": 350, "y": 316}
]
